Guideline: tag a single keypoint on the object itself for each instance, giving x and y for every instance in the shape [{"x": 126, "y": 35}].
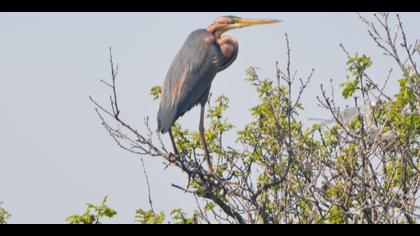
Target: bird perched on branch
[
  {"x": 373, "y": 132},
  {"x": 347, "y": 116},
  {"x": 204, "y": 53}
]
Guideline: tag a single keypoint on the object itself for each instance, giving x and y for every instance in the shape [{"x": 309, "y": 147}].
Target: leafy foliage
[
  {"x": 149, "y": 217},
  {"x": 180, "y": 217},
  {"x": 281, "y": 171},
  {"x": 4, "y": 215},
  {"x": 93, "y": 214},
  {"x": 357, "y": 66},
  {"x": 155, "y": 92}
]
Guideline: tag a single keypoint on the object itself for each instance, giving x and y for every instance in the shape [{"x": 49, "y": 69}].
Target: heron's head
[
  {"x": 225, "y": 23},
  {"x": 374, "y": 103}
]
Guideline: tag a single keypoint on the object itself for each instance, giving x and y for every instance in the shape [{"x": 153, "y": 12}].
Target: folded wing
[{"x": 189, "y": 78}]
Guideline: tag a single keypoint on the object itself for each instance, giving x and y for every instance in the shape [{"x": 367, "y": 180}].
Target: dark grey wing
[{"x": 189, "y": 77}]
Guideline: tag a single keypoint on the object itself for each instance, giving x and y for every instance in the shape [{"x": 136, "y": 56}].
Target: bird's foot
[{"x": 172, "y": 158}]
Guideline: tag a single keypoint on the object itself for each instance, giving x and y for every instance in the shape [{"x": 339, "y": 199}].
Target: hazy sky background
[{"x": 54, "y": 154}]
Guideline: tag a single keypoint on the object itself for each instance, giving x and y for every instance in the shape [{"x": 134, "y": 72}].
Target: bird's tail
[
  {"x": 165, "y": 119},
  {"x": 318, "y": 119},
  {"x": 323, "y": 121}
]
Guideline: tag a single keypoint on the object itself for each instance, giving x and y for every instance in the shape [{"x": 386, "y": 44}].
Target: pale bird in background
[
  {"x": 373, "y": 132},
  {"x": 350, "y": 114}
]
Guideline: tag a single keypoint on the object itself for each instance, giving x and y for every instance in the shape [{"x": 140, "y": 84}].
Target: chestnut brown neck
[{"x": 216, "y": 29}]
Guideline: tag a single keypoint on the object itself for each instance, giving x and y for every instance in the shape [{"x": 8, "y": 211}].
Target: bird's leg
[
  {"x": 173, "y": 142},
  {"x": 203, "y": 139}
]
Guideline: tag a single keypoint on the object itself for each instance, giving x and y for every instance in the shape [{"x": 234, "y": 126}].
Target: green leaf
[
  {"x": 149, "y": 217},
  {"x": 349, "y": 88},
  {"x": 156, "y": 91},
  {"x": 336, "y": 215},
  {"x": 93, "y": 214},
  {"x": 4, "y": 215},
  {"x": 180, "y": 217}
]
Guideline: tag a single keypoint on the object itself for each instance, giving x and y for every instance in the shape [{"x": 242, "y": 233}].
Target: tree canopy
[{"x": 362, "y": 166}]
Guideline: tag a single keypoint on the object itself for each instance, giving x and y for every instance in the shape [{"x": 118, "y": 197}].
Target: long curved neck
[
  {"x": 216, "y": 29},
  {"x": 229, "y": 48},
  {"x": 228, "y": 45}
]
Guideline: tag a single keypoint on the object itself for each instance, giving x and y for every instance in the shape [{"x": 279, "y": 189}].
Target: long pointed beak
[{"x": 243, "y": 22}]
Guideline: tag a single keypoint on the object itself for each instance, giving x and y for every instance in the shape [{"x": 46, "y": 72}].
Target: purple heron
[{"x": 204, "y": 53}]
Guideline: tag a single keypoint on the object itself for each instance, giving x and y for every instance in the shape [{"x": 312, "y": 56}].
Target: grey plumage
[
  {"x": 373, "y": 132},
  {"x": 190, "y": 75},
  {"x": 193, "y": 73},
  {"x": 347, "y": 116},
  {"x": 188, "y": 81}
]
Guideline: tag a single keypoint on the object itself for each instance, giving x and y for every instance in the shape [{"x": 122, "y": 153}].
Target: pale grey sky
[{"x": 54, "y": 154}]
